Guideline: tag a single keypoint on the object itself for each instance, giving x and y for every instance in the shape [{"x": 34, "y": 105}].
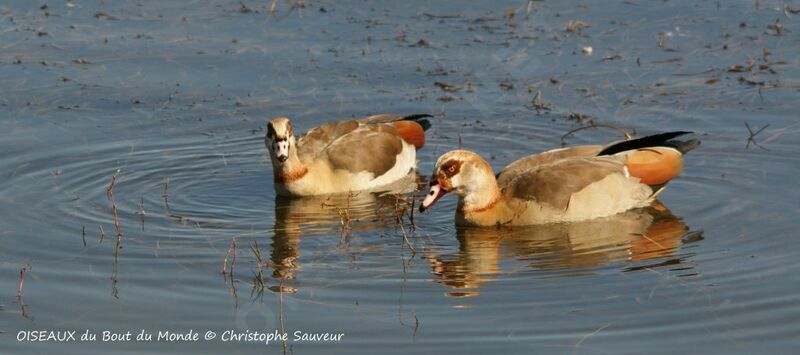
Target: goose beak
[
  {"x": 436, "y": 192},
  {"x": 282, "y": 150}
]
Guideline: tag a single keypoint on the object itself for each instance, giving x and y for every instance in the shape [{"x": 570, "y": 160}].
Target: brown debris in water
[
  {"x": 506, "y": 85},
  {"x": 576, "y": 26},
  {"x": 102, "y": 15},
  {"x": 743, "y": 68},
  {"x": 777, "y": 27},
  {"x": 244, "y": 9},
  {"x": 448, "y": 87},
  {"x": 612, "y": 58},
  {"x": 539, "y": 104},
  {"x": 421, "y": 44}
]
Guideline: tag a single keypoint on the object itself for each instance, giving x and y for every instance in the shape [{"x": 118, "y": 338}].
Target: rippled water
[{"x": 175, "y": 95}]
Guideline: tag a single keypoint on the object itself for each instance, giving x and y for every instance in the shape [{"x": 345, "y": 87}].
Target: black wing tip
[
  {"x": 421, "y": 119},
  {"x": 684, "y": 146},
  {"x": 662, "y": 139}
]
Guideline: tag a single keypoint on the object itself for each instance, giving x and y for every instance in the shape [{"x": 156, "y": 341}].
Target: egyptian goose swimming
[
  {"x": 561, "y": 185},
  {"x": 366, "y": 154}
]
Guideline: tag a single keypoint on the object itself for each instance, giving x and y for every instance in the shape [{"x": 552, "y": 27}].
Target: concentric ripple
[{"x": 171, "y": 99}]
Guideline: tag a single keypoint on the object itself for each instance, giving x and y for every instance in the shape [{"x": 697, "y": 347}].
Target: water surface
[{"x": 175, "y": 96}]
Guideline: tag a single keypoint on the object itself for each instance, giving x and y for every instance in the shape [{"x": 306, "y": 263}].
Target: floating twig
[
  {"x": 344, "y": 217},
  {"x": 225, "y": 262},
  {"x": 165, "y": 195},
  {"x": 399, "y": 216},
  {"x": 115, "y": 269},
  {"x": 258, "y": 280},
  {"x": 235, "y": 295},
  {"x": 413, "y": 207},
  {"x": 258, "y": 284},
  {"x": 257, "y": 253},
  {"x": 233, "y": 260},
  {"x": 22, "y": 273},
  {"x": 595, "y": 125},
  {"x": 83, "y": 236},
  {"x": 117, "y": 246},
  {"x": 405, "y": 238},
  {"x": 752, "y": 137},
  {"x": 110, "y": 188},
  {"x": 110, "y": 195},
  {"x": 141, "y": 211},
  {"x": 598, "y": 330},
  {"x": 283, "y": 330},
  {"x": 538, "y": 103},
  {"x": 273, "y": 7},
  {"x": 231, "y": 248},
  {"x": 23, "y": 308}
]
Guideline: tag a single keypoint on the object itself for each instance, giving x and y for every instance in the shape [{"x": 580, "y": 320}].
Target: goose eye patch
[{"x": 451, "y": 167}]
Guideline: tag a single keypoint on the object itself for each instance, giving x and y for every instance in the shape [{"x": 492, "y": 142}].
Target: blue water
[{"x": 176, "y": 95}]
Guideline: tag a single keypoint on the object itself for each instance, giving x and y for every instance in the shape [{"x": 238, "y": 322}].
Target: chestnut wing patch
[
  {"x": 655, "y": 166},
  {"x": 554, "y": 184},
  {"x": 373, "y": 151}
]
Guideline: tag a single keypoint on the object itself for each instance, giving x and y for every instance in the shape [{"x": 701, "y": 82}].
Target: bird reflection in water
[
  {"x": 306, "y": 217},
  {"x": 636, "y": 235}
]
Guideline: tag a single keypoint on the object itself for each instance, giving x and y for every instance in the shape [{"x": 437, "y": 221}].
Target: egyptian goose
[
  {"x": 366, "y": 154},
  {"x": 561, "y": 185}
]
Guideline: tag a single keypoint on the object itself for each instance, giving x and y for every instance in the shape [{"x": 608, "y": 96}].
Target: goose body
[
  {"x": 351, "y": 155},
  {"x": 561, "y": 185}
]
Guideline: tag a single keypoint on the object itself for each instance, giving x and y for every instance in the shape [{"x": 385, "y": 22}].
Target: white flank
[
  {"x": 404, "y": 162},
  {"x": 320, "y": 180}
]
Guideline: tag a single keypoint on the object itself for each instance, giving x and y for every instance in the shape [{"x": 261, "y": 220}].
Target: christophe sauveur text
[{"x": 191, "y": 335}]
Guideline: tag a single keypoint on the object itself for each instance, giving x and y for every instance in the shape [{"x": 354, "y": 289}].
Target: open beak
[
  {"x": 436, "y": 192},
  {"x": 283, "y": 158}
]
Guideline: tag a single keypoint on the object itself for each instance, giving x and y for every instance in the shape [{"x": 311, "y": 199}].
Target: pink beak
[{"x": 436, "y": 192}]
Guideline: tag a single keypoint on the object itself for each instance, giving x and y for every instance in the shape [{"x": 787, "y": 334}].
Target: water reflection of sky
[{"x": 175, "y": 95}]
